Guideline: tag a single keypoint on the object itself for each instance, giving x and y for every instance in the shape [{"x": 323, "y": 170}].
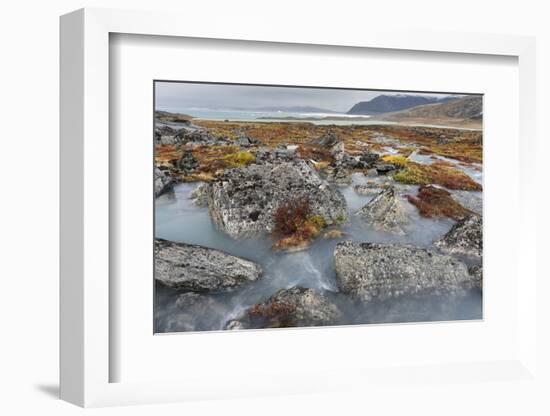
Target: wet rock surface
[
  {"x": 385, "y": 212},
  {"x": 292, "y": 307},
  {"x": 370, "y": 271},
  {"x": 464, "y": 238},
  {"x": 191, "y": 312},
  {"x": 242, "y": 201},
  {"x": 200, "y": 195},
  {"x": 163, "y": 180},
  {"x": 190, "y": 267},
  {"x": 477, "y": 277}
]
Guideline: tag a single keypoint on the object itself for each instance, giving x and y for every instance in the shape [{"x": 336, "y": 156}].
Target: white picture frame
[{"x": 85, "y": 211}]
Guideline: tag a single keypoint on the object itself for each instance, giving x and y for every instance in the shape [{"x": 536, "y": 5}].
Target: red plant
[{"x": 291, "y": 216}]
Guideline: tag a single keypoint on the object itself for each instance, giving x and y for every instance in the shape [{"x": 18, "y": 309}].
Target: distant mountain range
[
  {"x": 391, "y": 103},
  {"x": 464, "y": 108}
]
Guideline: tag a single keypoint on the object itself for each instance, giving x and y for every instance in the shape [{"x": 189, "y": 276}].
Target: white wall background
[{"x": 29, "y": 209}]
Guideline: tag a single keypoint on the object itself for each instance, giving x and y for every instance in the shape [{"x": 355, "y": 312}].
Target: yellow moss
[
  {"x": 396, "y": 160},
  {"x": 318, "y": 221},
  {"x": 440, "y": 174},
  {"x": 322, "y": 165},
  {"x": 412, "y": 175},
  {"x": 239, "y": 159}
]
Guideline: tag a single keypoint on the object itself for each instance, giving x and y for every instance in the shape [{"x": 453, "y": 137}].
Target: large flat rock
[
  {"x": 369, "y": 271},
  {"x": 195, "y": 268}
]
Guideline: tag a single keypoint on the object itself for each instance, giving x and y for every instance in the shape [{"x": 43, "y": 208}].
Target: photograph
[{"x": 302, "y": 206}]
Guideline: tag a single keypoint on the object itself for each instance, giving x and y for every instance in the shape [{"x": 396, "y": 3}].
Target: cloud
[{"x": 181, "y": 96}]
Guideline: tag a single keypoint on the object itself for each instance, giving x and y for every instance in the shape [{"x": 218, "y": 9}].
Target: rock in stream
[
  {"x": 297, "y": 306},
  {"x": 243, "y": 200},
  {"x": 385, "y": 212},
  {"x": 194, "y": 268},
  {"x": 464, "y": 238},
  {"x": 370, "y": 271}
]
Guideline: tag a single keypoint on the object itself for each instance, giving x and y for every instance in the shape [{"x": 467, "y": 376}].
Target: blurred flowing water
[{"x": 178, "y": 219}]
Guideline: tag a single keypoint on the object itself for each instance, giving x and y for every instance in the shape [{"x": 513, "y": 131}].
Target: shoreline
[{"x": 347, "y": 122}]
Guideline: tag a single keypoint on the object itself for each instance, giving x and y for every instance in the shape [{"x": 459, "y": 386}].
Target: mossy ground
[
  {"x": 462, "y": 145},
  {"x": 434, "y": 202},
  {"x": 439, "y": 173}
]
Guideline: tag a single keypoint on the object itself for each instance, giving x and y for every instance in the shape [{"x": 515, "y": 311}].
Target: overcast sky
[{"x": 179, "y": 96}]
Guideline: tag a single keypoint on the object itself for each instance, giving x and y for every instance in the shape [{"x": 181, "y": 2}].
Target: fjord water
[{"x": 178, "y": 219}]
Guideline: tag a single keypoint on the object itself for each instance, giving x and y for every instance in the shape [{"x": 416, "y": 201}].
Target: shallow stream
[{"x": 178, "y": 219}]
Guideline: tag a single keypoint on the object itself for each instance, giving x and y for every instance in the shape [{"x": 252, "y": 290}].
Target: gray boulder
[
  {"x": 477, "y": 277},
  {"x": 385, "y": 212},
  {"x": 292, "y": 307},
  {"x": 200, "y": 195},
  {"x": 327, "y": 140},
  {"x": 195, "y": 268},
  {"x": 464, "y": 238},
  {"x": 187, "y": 163},
  {"x": 165, "y": 135},
  {"x": 384, "y": 168},
  {"x": 198, "y": 136},
  {"x": 163, "y": 181},
  {"x": 369, "y": 158},
  {"x": 338, "y": 175},
  {"x": 369, "y": 188},
  {"x": 369, "y": 271},
  {"x": 242, "y": 201}
]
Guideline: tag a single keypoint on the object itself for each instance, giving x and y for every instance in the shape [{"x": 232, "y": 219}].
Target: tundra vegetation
[{"x": 296, "y": 186}]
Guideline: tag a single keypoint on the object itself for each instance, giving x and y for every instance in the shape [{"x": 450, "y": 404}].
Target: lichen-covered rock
[
  {"x": 200, "y": 195},
  {"x": 369, "y": 271},
  {"x": 242, "y": 201},
  {"x": 477, "y": 277},
  {"x": 292, "y": 307},
  {"x": 327, "y": 140},
  {"x": 385, "y": 212},
  {"x": 369, "y": 158},
  {"x": 163, "y": 181},
  {"x": 369, "y": 188},
  {"x": 473, "y": 200},
  {"x": 464, "y": 238},
  {"x": 190, "y": 267},
  {"x": 337, "y": 151},
  {"x": 165, "y": 135},
  {"x": 338, "y": 175},
  {"x": 187, "y": 163}
]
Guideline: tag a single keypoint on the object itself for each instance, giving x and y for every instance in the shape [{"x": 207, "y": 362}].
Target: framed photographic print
[{"x": 306, "y": 217}]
